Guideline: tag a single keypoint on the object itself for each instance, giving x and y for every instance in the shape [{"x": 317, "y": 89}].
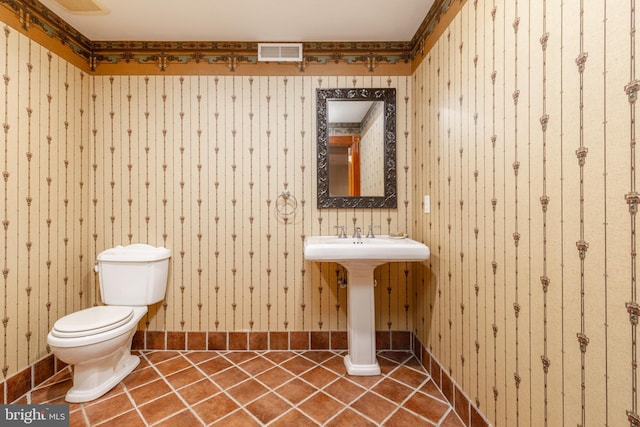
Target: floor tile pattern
[{"x": 246, "y": 388}]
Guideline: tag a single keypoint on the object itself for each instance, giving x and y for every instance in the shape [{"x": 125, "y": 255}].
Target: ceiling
[
  {"x": 249, "y": 20},
  {"x": 351, "y": 111}
]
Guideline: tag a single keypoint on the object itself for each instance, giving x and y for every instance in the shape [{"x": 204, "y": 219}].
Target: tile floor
[{"x": 246, "y": 388}]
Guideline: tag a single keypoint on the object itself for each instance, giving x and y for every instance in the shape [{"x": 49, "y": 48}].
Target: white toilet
[{"x": 97, "y": 341}]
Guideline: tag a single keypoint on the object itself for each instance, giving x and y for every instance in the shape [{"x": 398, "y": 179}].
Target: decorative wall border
[
  {"x": 428, "y": 26},
  {"x": 32, "y": 14},
  {"x": 234, "y": 54}
]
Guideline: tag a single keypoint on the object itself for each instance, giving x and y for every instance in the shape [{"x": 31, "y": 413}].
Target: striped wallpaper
[
  {"x": 519, "y": 122},
  {"x": 196, "y": 164},
  {"x": 524, "y": 137}
]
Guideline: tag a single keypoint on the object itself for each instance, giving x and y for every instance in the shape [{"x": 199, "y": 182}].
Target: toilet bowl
[
  {"x": 100, "y": 354},
  {"x": 96, "y": 341}
]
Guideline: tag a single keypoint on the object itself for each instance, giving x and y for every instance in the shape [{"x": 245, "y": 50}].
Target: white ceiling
[
  {"x": 251, "y": 20},
  {"x": 347, "y": 112}
]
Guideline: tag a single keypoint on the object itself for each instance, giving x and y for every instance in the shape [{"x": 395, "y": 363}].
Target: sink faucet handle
[
  {"x": 341, "y": 234},
  {"x": 370, "y": 232},
  {"x": 357, "y": 233}
]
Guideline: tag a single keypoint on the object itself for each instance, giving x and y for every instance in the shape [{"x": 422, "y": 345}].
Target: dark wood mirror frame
[{"x": 390, "y": 197}]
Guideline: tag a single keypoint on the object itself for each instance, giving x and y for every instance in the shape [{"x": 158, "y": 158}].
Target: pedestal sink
[{"x": 360, "y": 256}]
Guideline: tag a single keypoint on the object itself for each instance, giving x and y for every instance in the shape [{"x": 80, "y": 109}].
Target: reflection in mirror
[
  {"x": 356, "y": 152},
  {"x": 356, "y": 148}
]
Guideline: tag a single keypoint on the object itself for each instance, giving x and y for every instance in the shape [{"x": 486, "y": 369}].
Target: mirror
[{"x": 356, "y": 148}]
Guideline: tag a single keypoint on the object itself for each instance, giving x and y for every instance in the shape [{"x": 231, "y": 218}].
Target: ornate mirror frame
[{"x": 390, "y": 197}]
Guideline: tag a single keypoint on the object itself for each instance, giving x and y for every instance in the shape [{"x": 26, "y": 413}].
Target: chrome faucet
[
  {"x": 370, "y": 232},
  {"x": 357, "y": 233},
  {"x": 341, "y": 234}
]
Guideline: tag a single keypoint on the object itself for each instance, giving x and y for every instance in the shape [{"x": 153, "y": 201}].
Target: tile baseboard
[{"x": 262, "y": 341}]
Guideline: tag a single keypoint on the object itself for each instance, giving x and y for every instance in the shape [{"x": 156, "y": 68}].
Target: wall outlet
[{"x": 427, "y": 204}]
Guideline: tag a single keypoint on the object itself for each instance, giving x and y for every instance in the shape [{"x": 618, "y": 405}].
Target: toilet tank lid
[{"x": 137, "y": 252}]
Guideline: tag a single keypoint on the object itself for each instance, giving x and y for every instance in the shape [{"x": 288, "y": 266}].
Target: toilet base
[{"x": 94, "y": 380}]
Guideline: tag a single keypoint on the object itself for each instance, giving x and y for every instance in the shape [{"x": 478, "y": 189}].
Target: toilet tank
[{"x": 133, "y": 275}]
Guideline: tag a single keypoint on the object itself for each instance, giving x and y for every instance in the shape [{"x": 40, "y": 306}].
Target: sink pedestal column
[{"x": 361, "y": 359}]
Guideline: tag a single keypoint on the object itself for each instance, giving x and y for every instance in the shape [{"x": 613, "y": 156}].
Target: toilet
[{"x": 97, "y": 341}]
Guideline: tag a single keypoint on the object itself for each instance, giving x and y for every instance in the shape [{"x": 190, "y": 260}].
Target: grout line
[
  {"x": 366, "y": 390},
  {"x": 291, "y": 410},
  {"x": 241, "y": 407},
  {"x": 136, "y": 408},
  {"x": 400, "y": 405},
  {"x": 370, "y": 390},
  {"x": 446, "y": 414},
  {"x": 260, "y": 355},
  {"x": 295, "y": 406},
  {"x": 84, "y": 415},
  {"x": 188, "y": 407}
]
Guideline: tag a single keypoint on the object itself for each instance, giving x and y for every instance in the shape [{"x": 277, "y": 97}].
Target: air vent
[
  {"x": 83, "y": 7},
  {"x": 280, "y": 52}
]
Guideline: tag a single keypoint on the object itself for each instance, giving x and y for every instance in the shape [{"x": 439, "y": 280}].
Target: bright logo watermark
[{"x": 34, "y": 415}]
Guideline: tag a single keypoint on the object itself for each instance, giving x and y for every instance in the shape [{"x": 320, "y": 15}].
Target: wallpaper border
[{"x": 138, "y": 57}]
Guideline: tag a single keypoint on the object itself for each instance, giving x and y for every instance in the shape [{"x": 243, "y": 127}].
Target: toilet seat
[{"x": 92, "y": 321}]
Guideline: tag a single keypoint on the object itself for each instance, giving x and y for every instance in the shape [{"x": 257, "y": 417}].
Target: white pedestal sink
[{"x": 360, "y": 256}]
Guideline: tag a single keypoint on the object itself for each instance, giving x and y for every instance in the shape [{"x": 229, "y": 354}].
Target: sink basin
[
  {"x": 365, "y": 251},
  {"x": 360, "y": 257}
]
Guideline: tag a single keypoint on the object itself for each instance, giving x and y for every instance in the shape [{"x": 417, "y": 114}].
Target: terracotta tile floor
[{"x": 275, "y": 388}]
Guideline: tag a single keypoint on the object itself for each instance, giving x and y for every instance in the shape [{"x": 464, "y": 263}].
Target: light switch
[{"x": 427, "y": 204}]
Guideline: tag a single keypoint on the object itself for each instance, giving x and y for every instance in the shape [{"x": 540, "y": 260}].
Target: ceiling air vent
[{"x": 280, "y": 52}]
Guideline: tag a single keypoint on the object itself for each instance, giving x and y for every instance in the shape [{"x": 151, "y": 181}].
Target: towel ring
[{"x": 286, "y": 204}]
